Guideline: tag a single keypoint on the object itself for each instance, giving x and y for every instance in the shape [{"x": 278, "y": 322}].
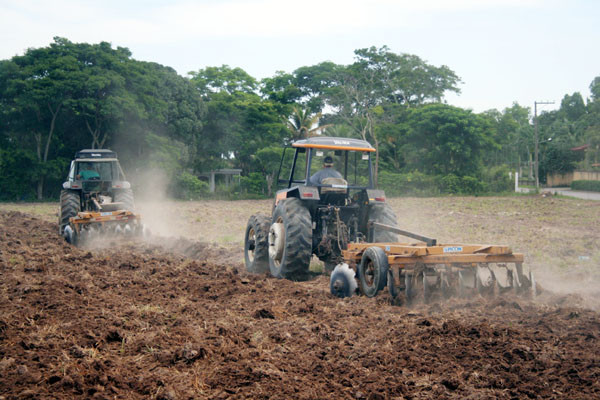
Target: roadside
[{"x": 564, "y": 191}]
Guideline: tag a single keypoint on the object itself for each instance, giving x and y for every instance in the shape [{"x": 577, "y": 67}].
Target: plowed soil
[{"x": 179, "y": 319}]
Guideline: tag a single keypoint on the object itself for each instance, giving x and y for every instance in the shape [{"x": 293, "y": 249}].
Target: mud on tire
[
  {"x": 294, "y": 223},
  {"x": 385, "y": 215},
  {"x": 256, "y": 244},
  {"x": 70, "y": 205},
  {"x": 125, "y": 196}
]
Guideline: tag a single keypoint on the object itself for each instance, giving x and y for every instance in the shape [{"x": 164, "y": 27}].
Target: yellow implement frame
[
  {"x": 428, "y": 267},
  {"x": 102, "y": 218},
  {"x": 405, "y": 254}
]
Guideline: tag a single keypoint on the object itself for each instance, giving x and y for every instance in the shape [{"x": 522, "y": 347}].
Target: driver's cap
[{"x": 328, "y": 161}]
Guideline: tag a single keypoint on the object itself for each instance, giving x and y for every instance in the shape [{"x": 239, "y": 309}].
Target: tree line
[{"x": 58, "y": 99}]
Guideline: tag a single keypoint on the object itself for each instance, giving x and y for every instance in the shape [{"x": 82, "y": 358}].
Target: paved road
[
  {"x": 566, "y": 192},
  {"x": 575, "y": 193}
]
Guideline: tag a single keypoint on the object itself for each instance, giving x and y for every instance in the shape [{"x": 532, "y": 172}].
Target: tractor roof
[
  {"x": 95, "y": 153},
  {"x": 335, "y": 143}
]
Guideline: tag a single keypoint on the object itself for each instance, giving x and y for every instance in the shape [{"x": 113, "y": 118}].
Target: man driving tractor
[
  {"x": 87, "y": 171},
  {"x": 327, "y": 172}
]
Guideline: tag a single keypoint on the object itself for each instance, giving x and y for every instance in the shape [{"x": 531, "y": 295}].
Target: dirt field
[{"x": 176, "y": 317}]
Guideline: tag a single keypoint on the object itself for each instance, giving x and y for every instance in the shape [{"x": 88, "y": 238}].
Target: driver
[
  {"x": 327, "y": 172},
  {"x": 88, "y": 171}
]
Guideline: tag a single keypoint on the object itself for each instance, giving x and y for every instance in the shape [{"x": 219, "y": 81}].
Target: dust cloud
[
  {"x": 159, "y": 215},
  {"x": 576, "y": 285}
]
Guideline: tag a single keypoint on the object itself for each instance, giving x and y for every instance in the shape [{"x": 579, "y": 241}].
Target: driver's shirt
[
  {"x": 318, "y": 177},
  {"x": 89, "y": 174}
]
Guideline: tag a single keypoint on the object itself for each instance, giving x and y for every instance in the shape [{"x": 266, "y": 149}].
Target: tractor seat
[{"x": 334, "y": 181}]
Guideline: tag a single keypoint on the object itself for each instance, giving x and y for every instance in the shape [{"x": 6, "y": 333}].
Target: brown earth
[{"x": 176, "y": 318}]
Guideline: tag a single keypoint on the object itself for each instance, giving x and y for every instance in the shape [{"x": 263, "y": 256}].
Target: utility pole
[{"x": 537, "y": 157}]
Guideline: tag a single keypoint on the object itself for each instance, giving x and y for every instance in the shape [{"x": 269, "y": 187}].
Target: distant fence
[{"x": 555, "y": 180}]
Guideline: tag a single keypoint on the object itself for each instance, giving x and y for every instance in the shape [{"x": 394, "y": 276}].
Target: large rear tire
[
  {"x": 125, "y": 196},
  {"x": 256, "y": 244},
  {"x": 70, "y": 205},
  {"x": 290, "y": 240},
  {"x": 384, "y": 215}
]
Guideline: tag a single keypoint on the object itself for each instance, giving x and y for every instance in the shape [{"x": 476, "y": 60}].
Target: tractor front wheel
[{"x": 256, "y": 246}]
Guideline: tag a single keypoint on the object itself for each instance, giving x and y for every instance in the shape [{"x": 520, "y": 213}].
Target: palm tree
[{"x": 301, "y": 123}]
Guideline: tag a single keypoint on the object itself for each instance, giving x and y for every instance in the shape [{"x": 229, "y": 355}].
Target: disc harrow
[
  {"x": 89, "y": 225},
  {"x": 427, "y": 270}
]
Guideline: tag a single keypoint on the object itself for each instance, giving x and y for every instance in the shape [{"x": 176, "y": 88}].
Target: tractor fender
[
  {"x": 375, "y": 196},
  {"x": 72, "y": 185},
  {"x": 300, "y": 192}
]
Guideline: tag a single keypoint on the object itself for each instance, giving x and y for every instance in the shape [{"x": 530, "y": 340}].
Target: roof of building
[
  {"x": 579, "y": 148},
  {"x": 335, "y": 143}
]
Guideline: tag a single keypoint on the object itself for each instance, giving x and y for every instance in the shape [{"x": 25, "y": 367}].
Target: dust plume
[
  {"x": 573, "y": 285},
  {"x": 159, "y": 215}
]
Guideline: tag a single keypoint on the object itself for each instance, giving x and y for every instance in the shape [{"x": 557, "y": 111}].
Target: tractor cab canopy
[
  {"x": 95, "y": 154},
  {"x": 96, "y": 169},
  {"x": 344, "y": 159}
]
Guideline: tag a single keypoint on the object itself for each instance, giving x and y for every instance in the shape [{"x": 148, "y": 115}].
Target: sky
[{"x": 504, "y": 51}]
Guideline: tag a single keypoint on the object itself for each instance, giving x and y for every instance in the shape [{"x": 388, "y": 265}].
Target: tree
[
  {"x": 223, "y": 78},
  {"x": 444, "y": 140},
  {"x": 302, "y": 124},
  {"x": 595, "y": 89},
  {"x": 378, "y": 77},
  {"x": 405, "y": 78},
  {"x": 267, "y": 160},
  {"x": 38, "y": 87},
  {"x": 572, "y": 107},
  {"x": 239, "y": 122},
  {"x": 103, "y": 98},
  {"x": 59, "y": 99}
]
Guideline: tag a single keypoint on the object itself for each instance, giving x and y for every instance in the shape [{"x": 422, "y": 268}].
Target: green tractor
[{"x": 328, "y": 200}]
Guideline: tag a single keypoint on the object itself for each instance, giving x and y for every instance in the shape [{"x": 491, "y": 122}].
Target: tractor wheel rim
[
  {"x": 370, "y": 274},
  {"x": 251, "y": 244},
  {"x": 277, "y": 241}
]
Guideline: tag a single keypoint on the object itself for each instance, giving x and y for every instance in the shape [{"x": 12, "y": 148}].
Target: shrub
[
  {"x": 412, "y": 183},
  {"x": 189, "y": 187},
  {"x": 592, "y": 186},
  {"x": 460, "y": 184},
  {"x": 497, "y": 179},
  {"x": 254, "y": 183}
]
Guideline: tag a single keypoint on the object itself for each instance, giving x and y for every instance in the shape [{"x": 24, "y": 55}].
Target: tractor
[
  {"x": 327, "y": 200},
  {"x": 96, "y": 198}
]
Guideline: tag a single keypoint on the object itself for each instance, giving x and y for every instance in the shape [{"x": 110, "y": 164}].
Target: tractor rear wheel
[
  {"x": 256, "y": 245},
  {"x": 384, "y": 215},
  {"x": 125, "y": 196},
  {"x": 290, "y": 240},
  {"x": 70, "y": 205}
]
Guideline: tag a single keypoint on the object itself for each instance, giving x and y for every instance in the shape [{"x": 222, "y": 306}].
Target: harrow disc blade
[
  {"x": 484, "y": 280},
  {"x": 445, "y": 285},
  {"x": 503, "y": 276},
  {"x": 466, "y": 281},
  {"x": 429, "y": 284},
  {"x": 409, "y": 288},
  {"x": 532, "y": 289}
]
